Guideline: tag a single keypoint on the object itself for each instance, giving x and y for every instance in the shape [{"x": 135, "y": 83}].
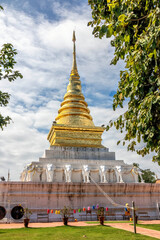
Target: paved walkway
[
  {"x": 38, "y": 225},
  {"x": 124, "y": 226},
  {"x": 144, "y": 231}
]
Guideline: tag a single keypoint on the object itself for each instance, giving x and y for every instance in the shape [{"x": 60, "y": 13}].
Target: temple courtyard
[{"x": 80, "y": 230}]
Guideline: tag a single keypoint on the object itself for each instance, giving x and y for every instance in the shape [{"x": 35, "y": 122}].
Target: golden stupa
[{"x": 74, "y": 126}]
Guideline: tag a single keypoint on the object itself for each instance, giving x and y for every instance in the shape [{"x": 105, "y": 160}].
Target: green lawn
[
  {"x": 97, "y": 222},
  {"x": 70, "y": 233},
  {"x": 150, "y": 226}
]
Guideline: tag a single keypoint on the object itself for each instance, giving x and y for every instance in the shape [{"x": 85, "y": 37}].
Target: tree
[
  {"x": 7, "y": 62},
  {"x": 135, "y": 31},
  {"x": 147, "y": 175}
]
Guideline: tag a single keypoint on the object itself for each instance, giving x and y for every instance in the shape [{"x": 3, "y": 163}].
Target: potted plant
[
  {"x": 65, "y": 212},
  {"x": 27, "y": 214},
  {"x": 100, "y": 215}
]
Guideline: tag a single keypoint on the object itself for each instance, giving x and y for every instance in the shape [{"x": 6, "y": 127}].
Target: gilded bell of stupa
[{"x": 74, "y": 125}]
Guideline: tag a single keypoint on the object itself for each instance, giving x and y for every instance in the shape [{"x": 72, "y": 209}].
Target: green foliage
[
  {"x": 7, "y": 62},
  {"x": 147, "y": 175},
  {"x": 27, "y": 213},
  {"x": 135, "y": 30},
  {"x": 65, "y": 212},
  {"x": 100, "y": 212}
]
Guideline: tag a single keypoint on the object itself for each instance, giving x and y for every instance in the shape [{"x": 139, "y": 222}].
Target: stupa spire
[
  {"x": 74, "y": 70},
  {"x": 74, "y": 110},
  {"x": 74, "y": 125}
]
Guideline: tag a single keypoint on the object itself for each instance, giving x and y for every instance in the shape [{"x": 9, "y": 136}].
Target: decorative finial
[
  {"x": 74, "y": 66},
  {"x": 74, "y": 36}
]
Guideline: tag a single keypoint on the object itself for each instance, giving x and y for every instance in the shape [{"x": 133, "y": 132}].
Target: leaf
[
  {"x": 122, "y": 17},
  {"x": 118, "y": 142},
  {"x": 109, "y": 31},
  {"x": 127, "y": 38},
  {"x": 156, "y": 68},
  {"x": 154, "y": 52},
  {"x": 120, "y": 96},
  {"x": 107, "y": 128},
  {"x": 104, "y": 28},
  {"x": 102, "y": 31},
  {"x": 89, "y": 23},
  {"x": 150, "y": 55}
]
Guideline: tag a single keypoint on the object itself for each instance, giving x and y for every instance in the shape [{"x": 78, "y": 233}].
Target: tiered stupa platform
[{"x": 71, "y": 164}]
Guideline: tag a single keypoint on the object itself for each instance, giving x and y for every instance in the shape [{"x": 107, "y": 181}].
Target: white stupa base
[{"x": 77, "y": 165}]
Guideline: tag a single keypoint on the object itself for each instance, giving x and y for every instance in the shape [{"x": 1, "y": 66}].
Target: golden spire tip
[{"x": 74, "y": 36}]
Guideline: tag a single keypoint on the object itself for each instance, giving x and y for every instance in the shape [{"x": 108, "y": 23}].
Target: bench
[
  {"x": 88, "y": 216},
  {"x": 143, "y": 215},
  {"x": 42, "y": 217},
  {"x": 111, "y": 216}
]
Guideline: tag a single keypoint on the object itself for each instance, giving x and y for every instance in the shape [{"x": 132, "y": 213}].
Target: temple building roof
[{"x": 74, "y": 125}]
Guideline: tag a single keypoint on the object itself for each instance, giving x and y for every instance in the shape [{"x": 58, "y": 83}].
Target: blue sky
[{"x": 41, "y": 31}]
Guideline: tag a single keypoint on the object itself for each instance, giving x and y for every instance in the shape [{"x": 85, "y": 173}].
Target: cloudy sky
[{"x": 41, "y": 31}]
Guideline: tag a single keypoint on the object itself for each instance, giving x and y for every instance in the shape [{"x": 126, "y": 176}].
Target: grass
[
  {"x": 71, "y": 233},
  {"x": 97, "y": 222},
  {"x": 150, "y": 226}
]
